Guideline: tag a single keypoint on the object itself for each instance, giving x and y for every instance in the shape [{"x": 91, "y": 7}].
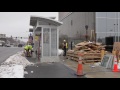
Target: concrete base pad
[{"x": 50, "y": 59}]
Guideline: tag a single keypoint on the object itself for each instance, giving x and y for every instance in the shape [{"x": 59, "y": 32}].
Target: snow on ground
[
  {"x": 13, "y": 71},
  {"x": 60, "y": 52},
  {"x": 97, "y": 64},
  {"x": 17, "y": 59},
  {"x": 14, "y": 66}
]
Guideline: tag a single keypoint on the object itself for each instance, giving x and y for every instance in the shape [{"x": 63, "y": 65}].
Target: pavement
[
  {"x": 90, "y": 71},
  {"x": 49, "y": 70},
  {"x": 6, "y": 52},
  {"x": 67, "y": 69}
]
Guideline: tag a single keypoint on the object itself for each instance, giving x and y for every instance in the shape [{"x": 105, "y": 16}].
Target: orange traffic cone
[
  {"x": 80, "y": 69},
  {"x": 115, "y": 68}
]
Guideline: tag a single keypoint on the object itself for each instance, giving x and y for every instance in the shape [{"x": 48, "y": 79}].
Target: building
[
  {"x": 107, "y": 27},
  {"x": 73, "y": 28},
  {"x": 102, "y": 26},
  {"x": 10, "y": 41},
  {"x": 3, "y": 37}
]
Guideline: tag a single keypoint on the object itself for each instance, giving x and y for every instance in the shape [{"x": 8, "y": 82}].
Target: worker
[
  {"x": 65, "y": 47},
  {"x": 28, "y": 49}
]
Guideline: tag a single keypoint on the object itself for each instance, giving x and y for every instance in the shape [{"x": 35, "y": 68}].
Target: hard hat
[{"x": 64, "y": 40}]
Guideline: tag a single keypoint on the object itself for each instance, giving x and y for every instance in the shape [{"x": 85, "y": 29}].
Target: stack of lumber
[
  {"x": 91, "y": 51},
  {"x": 70, "y": 54}
]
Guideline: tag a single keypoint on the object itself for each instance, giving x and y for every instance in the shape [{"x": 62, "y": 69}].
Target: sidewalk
[
  {"x": 49, "y": 70},
  {"x": 67, "y": 69},
  {"x": 91, "y": 72}
]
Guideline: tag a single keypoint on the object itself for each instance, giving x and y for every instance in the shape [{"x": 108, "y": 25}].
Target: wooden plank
[
  {"x": 90, "y": 61},
  {"x": 91, "y": 57},
  {"x": 75, "y": 59},
  {"x": 76, "y": 56},
  {"x": 116, "y": 46},
  {"x": 71, "y": 55},
  {"x": 93, "y": 54}
]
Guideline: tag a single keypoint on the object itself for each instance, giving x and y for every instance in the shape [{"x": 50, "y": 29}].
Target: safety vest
[
  {"x": 26, "y": 47},
  {"x": 30, "y": 47},
  {"x": 66, "y": 45}
]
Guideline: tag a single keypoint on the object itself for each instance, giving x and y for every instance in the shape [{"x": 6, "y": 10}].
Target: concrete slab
[
  {"x": 103, "y": 75},
  {"x": 91, "y": 72}
]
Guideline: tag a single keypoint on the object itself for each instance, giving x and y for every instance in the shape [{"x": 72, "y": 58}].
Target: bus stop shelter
[{"x": 45, "y": 38}]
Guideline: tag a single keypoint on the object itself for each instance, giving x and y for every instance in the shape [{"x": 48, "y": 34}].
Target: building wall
[
  {"x": 73, "y": 27},
  {"x": 62, "y": 15},
  {"x": 107, "y": 25},
  {"x": 2, "y": 35}
]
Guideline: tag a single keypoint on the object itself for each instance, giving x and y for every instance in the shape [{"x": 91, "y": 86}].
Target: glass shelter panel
[
  {"x": 53, "y": 42},
  {"x": 46, "y": 42}
]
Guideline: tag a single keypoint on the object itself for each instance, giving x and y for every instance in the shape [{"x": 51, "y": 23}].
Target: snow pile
[
  {"x": 14, "y": 66},
  {"x": 17, "y": 59},
  {"x": 60, "y": 52},
  {"x": 11, "y": 71},
  {"x": 97, "y": 64}
]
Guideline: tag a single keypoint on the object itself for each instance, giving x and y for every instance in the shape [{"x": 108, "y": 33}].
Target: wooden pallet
[
  {"x": 84, "y": 61},
  {"x": 90, "y": 61},
  {"x": 69, "y": 54},
  {"x": 69, "y": 57},
  {"x": 75, "y": 59},
  {"x": 87, "y": 58}
]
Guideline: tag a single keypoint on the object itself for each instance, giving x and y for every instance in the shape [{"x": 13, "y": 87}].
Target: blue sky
[{"x": 17, "y": 23}]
